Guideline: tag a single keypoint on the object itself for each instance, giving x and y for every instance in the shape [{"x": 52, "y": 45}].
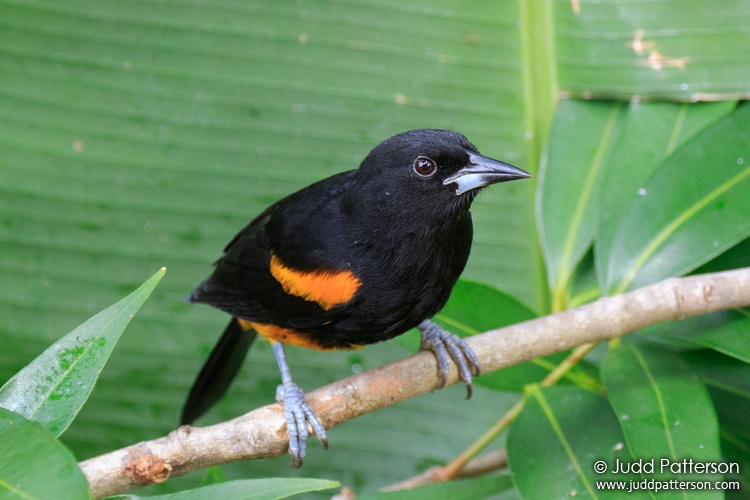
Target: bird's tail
[{"x": 218, "y": 372}]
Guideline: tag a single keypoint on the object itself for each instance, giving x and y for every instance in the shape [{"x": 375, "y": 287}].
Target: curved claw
[
  {"x": 440, "y": 342},
  {"x": 298, "y": 415}
]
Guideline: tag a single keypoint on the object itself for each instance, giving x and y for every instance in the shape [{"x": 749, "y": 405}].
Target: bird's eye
[{"x": 424, "y": 166}]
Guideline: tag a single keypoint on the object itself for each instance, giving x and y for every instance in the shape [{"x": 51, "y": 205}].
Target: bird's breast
[{"x": 404, "y": 283}]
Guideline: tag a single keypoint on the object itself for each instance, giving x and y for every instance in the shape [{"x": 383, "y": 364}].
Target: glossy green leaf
[
  {"x": 34, "y": 465},
  {"x": 680, "y": 50},
  {"x": 475, "y": 308},
  {"x": 692, "y": 209},
  {"x": 728, "y": 382},
  {"x": 569, "y": 184},
  {"x": 651, "y": 132},
  {"x": 734, "y": 258},
  {"x": 53, "y": 388},
  {"x": 555, "y": 442},
  {"x": 213, "y": 475},
  {"x": 250, "y": 489},
  {"x": 730, "y": 335},
  {"x": 479, "y": 488},
  {"x": 737, "y": 452},
  {"x": 9, "y": 418},
  {"x": 663, "y": 408},
  {"x": 720, "y": 372},
  {"x": 584, "y": 287},
  {"x": 726, "y": 331}
]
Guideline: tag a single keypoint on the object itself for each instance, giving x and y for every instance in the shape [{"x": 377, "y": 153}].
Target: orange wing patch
[{"x": 327, "y": 288}]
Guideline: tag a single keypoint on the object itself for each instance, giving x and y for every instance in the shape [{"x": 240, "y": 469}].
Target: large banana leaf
[
  {"x": 141, "y": 134},
  {"x": 137, "y": 134},
  {"x": 688, "y": 50}
]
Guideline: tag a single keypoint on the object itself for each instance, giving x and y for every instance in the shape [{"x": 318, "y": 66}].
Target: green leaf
[
  {"x": 731, "y": 336},
  {"x": 651, "y": 132},
  {"x": 653, "y": 49},
  {"x": 569, "y": 183},
  {"x": 728, "y": 382},
  {"x": 691, "y": 210},
  {"x": 33, "y": 464},
  {"x": 734, "y": 258},
  {"x": 737, "y": 452},
  {"x": 250, "y": 489},
  {"x": 584, "y": 286},
  {"x": 724, "y": 331},
  {"x": 720, "y": 372},
  {"x": 53, "y": 388},
  {"x": 556, "y": 440},
  {"x": 515, "y": 378},
  {"x": 213, "y": 475},
  {"x": 466, "y": 489},
  {"x": 663, "y": 408},
  {"x": 475, "y": 308}
]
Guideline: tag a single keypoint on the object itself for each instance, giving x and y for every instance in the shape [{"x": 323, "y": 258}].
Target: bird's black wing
[{"x": 243, "y": 284}]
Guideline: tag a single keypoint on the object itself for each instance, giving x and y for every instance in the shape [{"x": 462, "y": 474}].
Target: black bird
[{"x": 354, "y": 259}]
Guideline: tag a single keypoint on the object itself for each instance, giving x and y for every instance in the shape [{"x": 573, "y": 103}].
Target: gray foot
[
  {"x": 298, "y": 414},
  {"x": 443, "y": 343}
]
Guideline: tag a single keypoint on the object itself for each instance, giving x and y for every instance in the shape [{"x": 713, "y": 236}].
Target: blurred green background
[{"x": 141, "y": 134}]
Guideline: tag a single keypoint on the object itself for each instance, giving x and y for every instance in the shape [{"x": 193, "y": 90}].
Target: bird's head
[{"x": 430, "y": 170}]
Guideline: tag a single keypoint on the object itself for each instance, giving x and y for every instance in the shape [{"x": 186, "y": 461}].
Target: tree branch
[{"x": 262, "y": 433}]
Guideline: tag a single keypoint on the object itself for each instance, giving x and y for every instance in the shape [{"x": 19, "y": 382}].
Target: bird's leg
[
  {"x": 296, "y": 411},
  {"x": 443, "y": 343}
]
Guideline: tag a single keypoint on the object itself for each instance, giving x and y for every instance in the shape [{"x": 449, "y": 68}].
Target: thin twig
[
  {"x": 489, "y": 462},
  {"x": 262, "y": 432}
]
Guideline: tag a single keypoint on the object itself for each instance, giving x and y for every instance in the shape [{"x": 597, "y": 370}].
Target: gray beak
[{"x": 482, "y": 171}]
